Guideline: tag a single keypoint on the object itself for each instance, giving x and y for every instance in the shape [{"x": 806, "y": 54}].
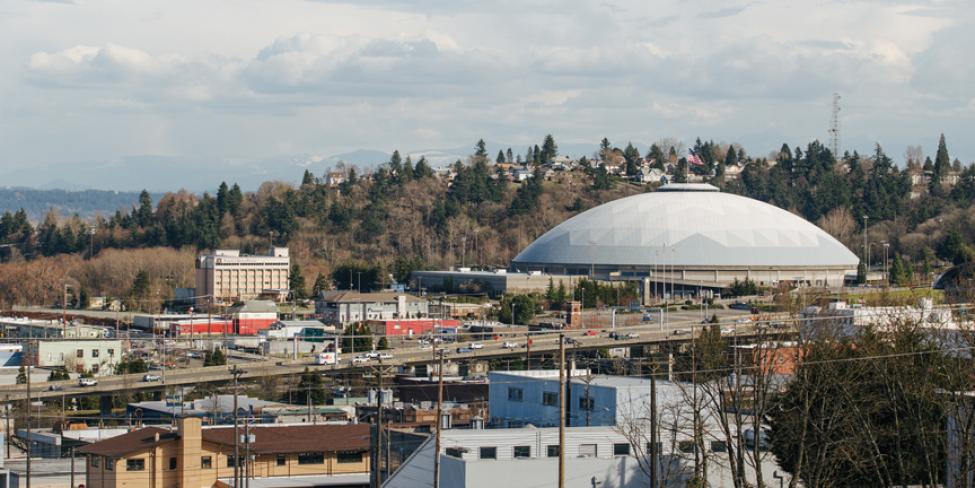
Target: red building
[
  {"x": 410, "y": 327},
  {"x": 253, "y": 316},
  {"x": 214, "y": 326}
]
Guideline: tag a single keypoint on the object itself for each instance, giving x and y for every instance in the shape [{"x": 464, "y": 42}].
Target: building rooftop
[
  {"x": 687, "y": 225},
  {"x": 268, "y": 439},
  {"x": 356, "y": 297}
]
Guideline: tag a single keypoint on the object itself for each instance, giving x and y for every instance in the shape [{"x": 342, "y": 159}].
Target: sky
[{"x": 122, "y": 94}]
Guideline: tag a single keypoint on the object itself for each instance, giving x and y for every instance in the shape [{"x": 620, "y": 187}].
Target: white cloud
[{"x": 239, "y": 79}]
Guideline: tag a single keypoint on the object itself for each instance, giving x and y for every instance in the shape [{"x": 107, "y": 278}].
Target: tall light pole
[
  {"x": 866, "y": 250},
  {"x": 886, "y": 261}
]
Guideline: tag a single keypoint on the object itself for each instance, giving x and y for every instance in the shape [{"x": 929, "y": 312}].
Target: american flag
[{"x": 694, "y": 159}]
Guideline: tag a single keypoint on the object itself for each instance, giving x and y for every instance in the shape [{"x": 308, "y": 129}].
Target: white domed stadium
[{"x": 693, "y": 235}]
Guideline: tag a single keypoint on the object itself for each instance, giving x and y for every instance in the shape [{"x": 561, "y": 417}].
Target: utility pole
[
  {"x": 380, "y": 372},
  {"x": 236, "y": 372},
  {"x": 436, "y": 443},
  {"x": 72, "y": 468},
  {"x": 28, "y": 424},
  {"x": 562, "y": 410},
  {"x": 654, "y": 455},
  {"x": 834, "y": 127}
]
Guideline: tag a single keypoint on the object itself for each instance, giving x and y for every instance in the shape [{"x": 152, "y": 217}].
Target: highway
[{"x": 676, "y": 331}]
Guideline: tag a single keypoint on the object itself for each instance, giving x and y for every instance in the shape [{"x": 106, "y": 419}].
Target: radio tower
[{"x": 834, "y": 127}]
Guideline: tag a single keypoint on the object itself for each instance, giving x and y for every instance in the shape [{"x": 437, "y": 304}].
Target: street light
[{"x": 886, "y": 261}]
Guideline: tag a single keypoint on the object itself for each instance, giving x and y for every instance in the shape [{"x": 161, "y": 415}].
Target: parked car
[
  {"x": 87, "y": 382},
  {"x": 151, "y": 377}
]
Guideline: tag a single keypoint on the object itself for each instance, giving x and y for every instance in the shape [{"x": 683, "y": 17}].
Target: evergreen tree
[
  {"x": 480, "y": 149},
  {"x": 321, "y": 284},
  {"x": 604, "y": 147},
  {"x": 509, "y": 157},
  {"x": 223, "y": 194},
  {"x": 942, "y": 163},
  {"x": 296, "y": 283},
  {"x": 383, "y": 344},
  {"x": 214, "y": 358},
  {"x": 423, "y": 169},
  {"x": 83, "y": 300},
  {"x": 143, "y": 215},
  {"x": 21, "y": 375},
  {"x": 632, "y": 156},
  {"x": 235, "y": 198},
  {"x": 549, "y": 150},
  {"x": 408, "y": 171},
  {"x": 307, "y": 179},
  {"x": 500, "y": 158},
  {"x": 311, "y": 386}
]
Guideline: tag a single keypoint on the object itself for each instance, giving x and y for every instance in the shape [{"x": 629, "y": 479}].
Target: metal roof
[{"x": 687, "y": 228}]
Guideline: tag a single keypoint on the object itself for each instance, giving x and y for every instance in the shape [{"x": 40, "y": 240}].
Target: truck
[{"x": 325, "y": 358}]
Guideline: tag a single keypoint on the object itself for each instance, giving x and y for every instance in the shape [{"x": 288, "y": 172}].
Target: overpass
[{"x": 542, "y": 343}]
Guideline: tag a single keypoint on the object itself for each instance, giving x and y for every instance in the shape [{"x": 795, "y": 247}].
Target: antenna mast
[{"x": 834, "y": 127}]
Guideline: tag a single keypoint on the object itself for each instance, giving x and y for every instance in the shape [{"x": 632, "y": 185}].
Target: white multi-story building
[
  {"x": 347, "y": 307},
  {"x": 229, "y": 276},
  {"x": 99, "y": 356}
]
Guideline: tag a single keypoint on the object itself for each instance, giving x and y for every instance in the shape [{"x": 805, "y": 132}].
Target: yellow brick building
[{"x": 195, "y": 457}]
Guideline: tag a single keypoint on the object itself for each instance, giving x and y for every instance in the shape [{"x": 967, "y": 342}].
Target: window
[
  {"x": 94, "y": 461},
  {"x": 312, "y": 458},
  {"x": 489, "y": 453},
  {"x": 111, "y": 352},
  {"x": 348, "y": 457},
  {"x": 135, "y": 464},
  {"x": 231, "y": 461},
  {"x": 522, "y": 452},
  {"x": 621, "y": 449},
  {"x": 94, "y": 353},
  {"x": 552, "y": 451},
  {"x": 719, "y": 446},
  {"x": 457, "y": 452},
  {"x": 550, "y": 399},
  {"x": 206, "y": 462},
  {"x": 80, "y": 353},
  {"x": 586, "y": 403},
  {"x": 109, "y": 464},
  {"x": 282, "y": 460},
  {"x": 588, "y": 450},
  {"x": 686, "y": 446},
  {"x": 172, "y": 463},
  {"x": 515, "y": 394}
]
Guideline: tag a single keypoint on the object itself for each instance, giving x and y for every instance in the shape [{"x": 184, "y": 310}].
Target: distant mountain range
[
  {"x": 85, "y": 203},
  {"x": 69, "y": 187}
]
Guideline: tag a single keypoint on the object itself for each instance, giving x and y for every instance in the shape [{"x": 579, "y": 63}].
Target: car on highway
[
  {"x": 151, "y": 377},
  {"x": 591, "y": 333},
  {"x": 372, "y": 354},
  {"x": 425, "y": 346},
  {"x": 632, "y": 335},
  {"x": 740, "y": 306},
  {"x": 87, "y": 382},
  {"x": 476, "y": 345},
  {"x": 727, "y": 330},
  {"x": 385, "y": 355},
  {"x": 681, "y": 332},
  {"x": 570, "y": 341},
  {"x": 510, "y": 345},
  {"x": 55, "y": 387},
  {"x": 464, "y": 350},
  {"x": 360, "y": 360}
]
